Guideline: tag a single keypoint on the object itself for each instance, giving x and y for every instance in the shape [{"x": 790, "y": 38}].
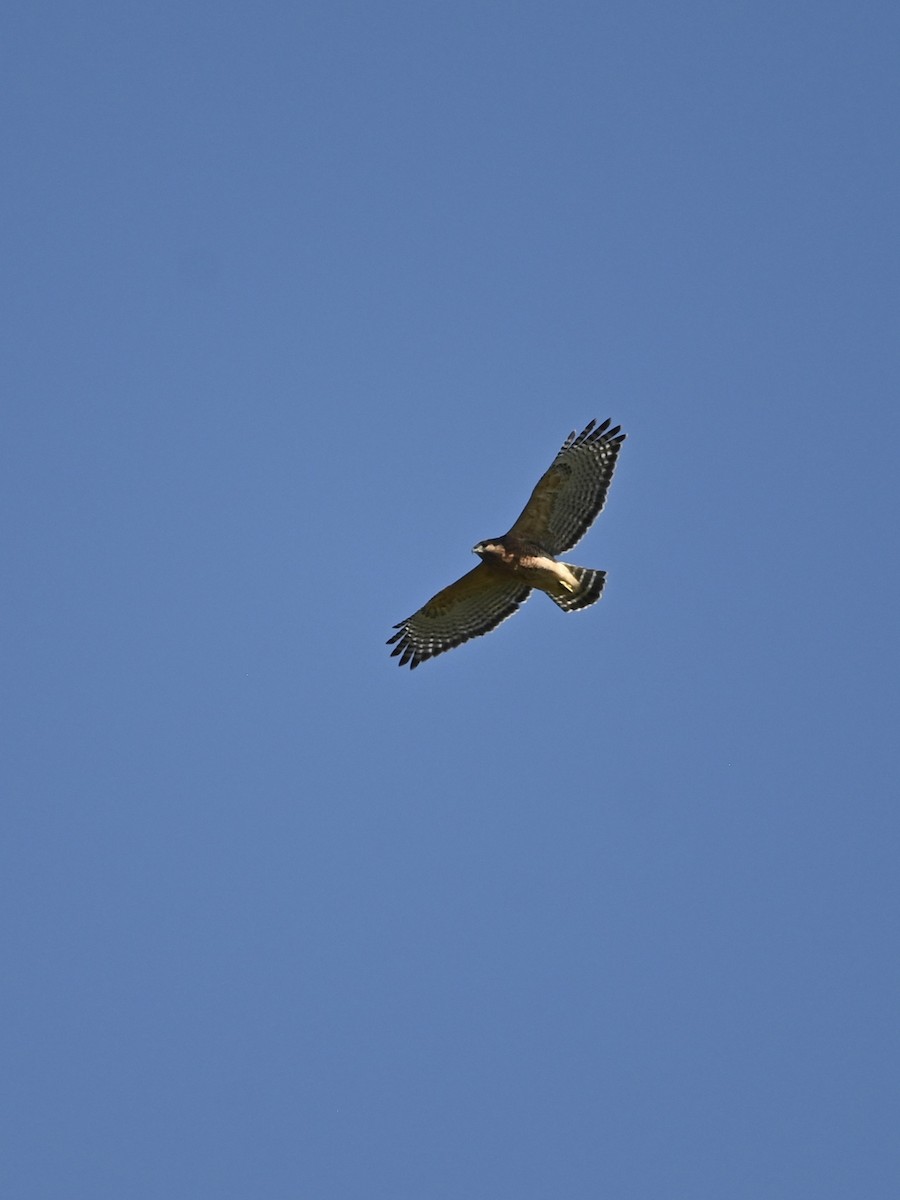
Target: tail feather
[{"x": 589, "y": 593}]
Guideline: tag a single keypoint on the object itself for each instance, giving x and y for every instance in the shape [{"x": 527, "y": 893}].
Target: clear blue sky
[{"x": 299, "y": 300}]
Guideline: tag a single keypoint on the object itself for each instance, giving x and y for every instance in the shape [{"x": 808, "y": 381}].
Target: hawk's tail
[{"x": 589, "y": 593}]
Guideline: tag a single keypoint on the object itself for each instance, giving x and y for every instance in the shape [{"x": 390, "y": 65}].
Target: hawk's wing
[
  {"x": 572, "y": 491},
  {"x": 466, "y": 609}
]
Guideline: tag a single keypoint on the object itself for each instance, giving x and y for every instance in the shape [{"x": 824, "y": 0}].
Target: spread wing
[
  {"x": 572, "y": 491},
  {"x": 466, "y": 609}
]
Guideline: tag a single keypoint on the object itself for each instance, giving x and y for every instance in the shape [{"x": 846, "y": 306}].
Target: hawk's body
[{"x": 562, "y": 507}]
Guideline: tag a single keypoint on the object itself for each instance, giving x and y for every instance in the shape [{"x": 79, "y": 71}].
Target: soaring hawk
[{"x": 562, "y": 507}]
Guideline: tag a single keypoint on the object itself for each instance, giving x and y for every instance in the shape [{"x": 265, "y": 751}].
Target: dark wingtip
[{"x": 603, "y": 433}]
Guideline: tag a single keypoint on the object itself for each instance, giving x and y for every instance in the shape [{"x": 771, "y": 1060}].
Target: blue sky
[{"x": 300, "y": 301}]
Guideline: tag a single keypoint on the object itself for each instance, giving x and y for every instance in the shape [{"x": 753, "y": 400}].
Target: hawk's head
[{"x": 488, "y": 549}]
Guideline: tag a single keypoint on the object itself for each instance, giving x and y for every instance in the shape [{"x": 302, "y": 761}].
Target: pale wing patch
[
  {"x": 572, "y": 491},
  {"x": 466, "y": 609}
]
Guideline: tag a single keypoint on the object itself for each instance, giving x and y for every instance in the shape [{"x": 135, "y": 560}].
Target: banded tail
[{"x": 589, "y": 593}]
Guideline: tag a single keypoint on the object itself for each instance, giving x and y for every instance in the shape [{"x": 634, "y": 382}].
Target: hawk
[{"x": 561, "y": 509}]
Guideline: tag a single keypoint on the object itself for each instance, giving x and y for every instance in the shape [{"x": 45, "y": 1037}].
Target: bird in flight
[{"x": 568, "y": 496}]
